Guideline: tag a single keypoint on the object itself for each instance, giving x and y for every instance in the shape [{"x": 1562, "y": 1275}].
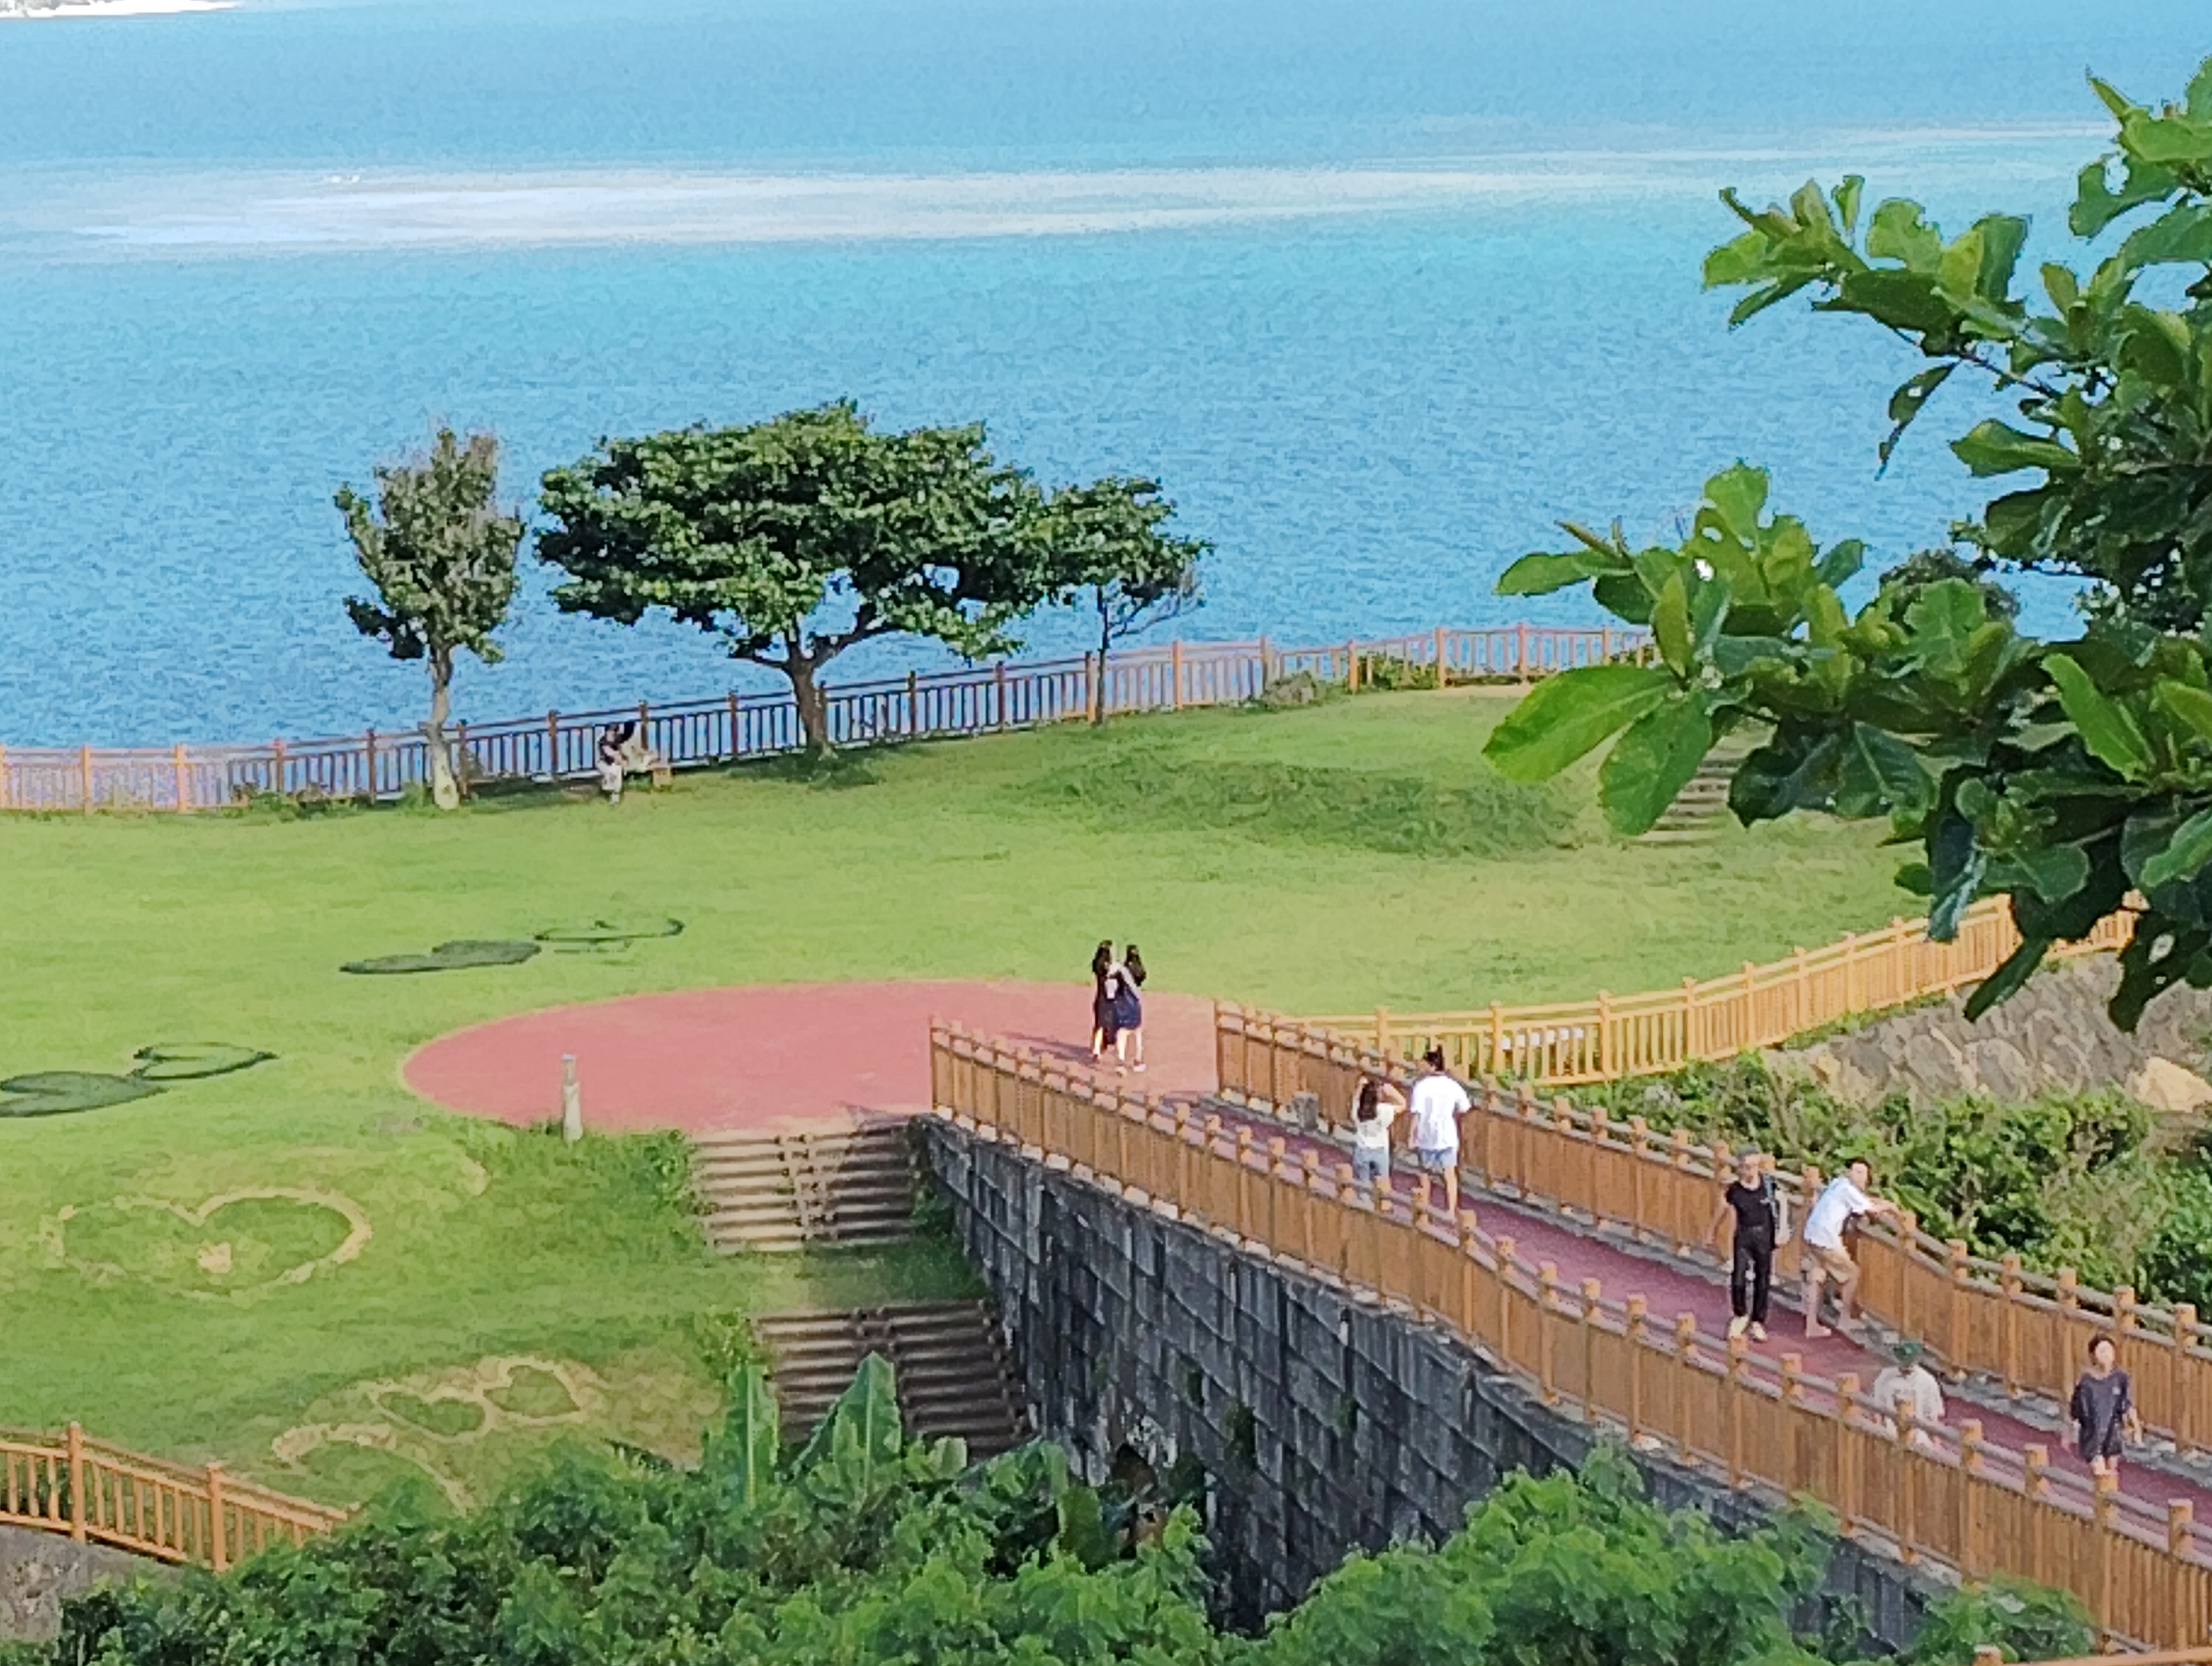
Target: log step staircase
[
  {"x": 954, "y": 1376},
  {"x": 1701, "y": 807},
  {"x": 785, "y": 1192}
]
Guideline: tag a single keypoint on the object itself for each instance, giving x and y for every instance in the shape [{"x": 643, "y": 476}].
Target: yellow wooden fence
[
  {"x": 1564, "y": 1043},
  {"x": 1953, "y": 1497},
  {"x": 102, "y": 1494}
]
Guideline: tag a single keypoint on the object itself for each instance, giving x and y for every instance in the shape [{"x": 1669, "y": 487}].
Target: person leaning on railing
[{"x": 1842, "y": 1201}]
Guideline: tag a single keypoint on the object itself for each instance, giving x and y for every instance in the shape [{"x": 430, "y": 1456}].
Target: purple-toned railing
[{"x": 692, "y": 733}]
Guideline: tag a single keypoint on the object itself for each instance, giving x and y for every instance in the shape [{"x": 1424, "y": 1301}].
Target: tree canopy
[
  {"x": 799, "y": 538},
  {"x": 2064, "y": 775},
  {"x": 441, "y": 554}
]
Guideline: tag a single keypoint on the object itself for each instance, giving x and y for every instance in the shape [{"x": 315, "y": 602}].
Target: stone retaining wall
[
  {"x": 38, "y": 1571},
  {"x": 1326, "y": 1421},
  {"x": 2053, "y": 1035}
]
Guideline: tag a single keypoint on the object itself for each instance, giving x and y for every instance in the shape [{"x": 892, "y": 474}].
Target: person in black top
[
  {"x": 1104, "y": 1028},
  {"x": 1749, "y": 1197},
  {"x": 2103, "y": 1409}
]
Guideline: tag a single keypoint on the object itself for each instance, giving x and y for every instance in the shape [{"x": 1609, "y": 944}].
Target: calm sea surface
[{"x": 1379, "y": 291}]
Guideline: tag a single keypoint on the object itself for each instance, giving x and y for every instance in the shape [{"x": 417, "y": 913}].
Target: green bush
[{"x": 866, "y": 1547}]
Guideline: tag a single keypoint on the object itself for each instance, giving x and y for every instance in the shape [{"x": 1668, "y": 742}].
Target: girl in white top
[{"x": 1374, "y": 1107}]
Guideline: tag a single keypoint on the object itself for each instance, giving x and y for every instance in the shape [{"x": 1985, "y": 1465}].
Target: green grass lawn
[{"x": 511, "y": 1290}]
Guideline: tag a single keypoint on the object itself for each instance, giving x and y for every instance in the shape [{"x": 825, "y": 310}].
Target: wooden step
[
  {"x": 785, "y": 1192},
  {"x": 954, "y": 1375}
]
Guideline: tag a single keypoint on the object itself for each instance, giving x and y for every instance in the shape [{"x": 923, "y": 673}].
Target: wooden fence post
[
  {"x": 1352, "y": 666},
  {"x": 1443, "y": 681},
  {"x": 218, "y": 1529},
  {"x": 737, "y": 726},
  {"x": 84, "y": 776},
  {"x": 1605, "y": 1059},
  {"x": 999, "y": 692},
  {"x": 1521, "y": 653},
  {"x": 1685, "y": 1347},
  {"x": 553, "y": 745},
  {"x": 1267, "y": 665},
  {"x": 2008, "y": 1287},
  {"x": 1689, "y": 1020},
  {"x": 76, "y": 1481},
  {"x": 1638, "y": 1310},
  {"x": 368, "y": 753},
  {"x": 1851, "y": 995},
  {"x": 184, "y": 778}
]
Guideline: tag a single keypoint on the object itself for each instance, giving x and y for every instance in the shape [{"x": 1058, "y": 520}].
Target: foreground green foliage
[
  {"x": 2063, "y": 775},
  {"x": 864, "y": 1548},
  {"x": 2087, "y": 1181}
]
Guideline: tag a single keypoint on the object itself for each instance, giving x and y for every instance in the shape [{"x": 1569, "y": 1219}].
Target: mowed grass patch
[{"x": 1308, "y": 860}]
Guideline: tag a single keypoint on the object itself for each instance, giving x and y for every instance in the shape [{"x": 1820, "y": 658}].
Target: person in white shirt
[
  {"x": 1842, "y": 1200},
  {"x": 1374, "y": 1107},
  {"x": 1438, "y": 1103},
  {"x": 1911, "y": 1389}
]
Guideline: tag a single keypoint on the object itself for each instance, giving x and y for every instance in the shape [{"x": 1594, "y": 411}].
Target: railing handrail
[
  {"x": 1293, "y": 1208},
  {"x": 1573, "y": 1042},
  {"x": 1001, "y": 695},
  {"x": 95, "y": 1492}
]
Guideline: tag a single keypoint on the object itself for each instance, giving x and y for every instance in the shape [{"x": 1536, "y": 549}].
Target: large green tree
[
  {"x": 796, "y": 538},
  {"x": 2064, "y": 775},
  {"x": 440, "y": 553},
  {"x": 1110, "y": 553}
]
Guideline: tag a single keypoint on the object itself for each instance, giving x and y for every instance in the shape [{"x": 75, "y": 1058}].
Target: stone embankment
[
  {"x": 1326, "y": 1421},
  {"x": 2052, "y": 1036}
]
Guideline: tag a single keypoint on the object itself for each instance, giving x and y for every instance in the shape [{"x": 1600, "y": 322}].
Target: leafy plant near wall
[
  {"x": 2061, "y": 774},
  {"x": 864, "y": 1548}
]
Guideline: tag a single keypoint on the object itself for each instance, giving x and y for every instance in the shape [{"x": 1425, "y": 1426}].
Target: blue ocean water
[{"x": 1379, "y": 291}]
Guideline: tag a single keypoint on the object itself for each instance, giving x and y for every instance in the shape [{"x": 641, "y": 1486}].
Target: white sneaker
[{"x": 1736, "y": 1327}]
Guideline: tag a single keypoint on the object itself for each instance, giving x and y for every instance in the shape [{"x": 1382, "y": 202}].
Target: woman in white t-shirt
[{"x": 1374, "y": 1107}]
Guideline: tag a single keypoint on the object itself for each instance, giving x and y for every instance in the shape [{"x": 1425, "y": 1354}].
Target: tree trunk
[
  {"x": 813, "y": 708},
  {"x": 445, "y": 790},
  {"x": 1105, "y": 644}
]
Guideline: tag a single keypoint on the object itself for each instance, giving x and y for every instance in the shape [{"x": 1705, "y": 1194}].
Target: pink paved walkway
[{"x": 774, "y": 1058}]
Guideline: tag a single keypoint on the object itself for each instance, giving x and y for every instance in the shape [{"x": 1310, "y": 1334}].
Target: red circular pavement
[{"x": 778, "y": 1057}]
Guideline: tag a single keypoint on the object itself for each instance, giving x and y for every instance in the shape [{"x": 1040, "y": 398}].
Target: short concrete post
[{"x": 571, "y": 1101}]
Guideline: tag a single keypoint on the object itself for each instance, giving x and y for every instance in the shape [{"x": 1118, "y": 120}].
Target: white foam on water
[{"x": 246, "y": 212}]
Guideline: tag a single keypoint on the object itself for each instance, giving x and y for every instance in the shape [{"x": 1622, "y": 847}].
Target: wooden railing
[
  {"x": 2029, "y": 1333},
  {"x": 1952, "y": 1498},
  {"x": 562, "y": 745},
  {"x": 1564, "y": 1044},
  {"x": 102, "y": 1494}
]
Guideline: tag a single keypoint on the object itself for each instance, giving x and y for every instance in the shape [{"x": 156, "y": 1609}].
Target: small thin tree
[
  {"x": 441, "y": 555},
  {"x": 1109, "y": 554}
]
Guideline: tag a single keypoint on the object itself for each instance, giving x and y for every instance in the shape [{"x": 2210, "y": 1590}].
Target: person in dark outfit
[
  {"x": 1104, "y": 1028},
  {"x": 2104, "y": 1410},
  {"x": 1749, "y": 1198}
]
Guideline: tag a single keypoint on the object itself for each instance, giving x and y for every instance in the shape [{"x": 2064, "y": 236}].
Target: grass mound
[{"x": 1157, "y": 788}]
